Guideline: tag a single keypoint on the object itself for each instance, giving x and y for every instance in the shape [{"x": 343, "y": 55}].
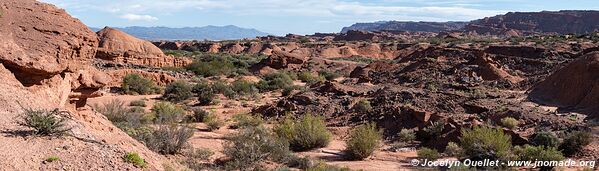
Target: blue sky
[{"x": 296, "y": 16}]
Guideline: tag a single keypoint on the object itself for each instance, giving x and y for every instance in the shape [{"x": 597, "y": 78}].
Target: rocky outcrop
[
  {"x": 574, "y": 86},
  {"x": 119, "y": 47},
  {"x": 282, "y": 60},
  {"x": 562, "y": 22},
  {"x": 45, "y": 59}
]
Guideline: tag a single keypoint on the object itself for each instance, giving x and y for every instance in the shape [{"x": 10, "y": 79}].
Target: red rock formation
[
  {"x": 490, "y": 70},
  {"x": 562, "y": 22},
  {"x": 574, "y": 86},
  {"x": 45, "y": 59},
  {"x": 119, "y": 47}
]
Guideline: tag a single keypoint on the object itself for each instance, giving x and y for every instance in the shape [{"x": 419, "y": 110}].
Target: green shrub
[
  {"x": 310, "y": 78},
  {"x": 201, "y": 86},
  {"x": 178, "y": 91},
  {"x": 538, "y": 153},
  {"x": 206, "y": 97},
  {"x": 453, "y": 149},
  {"x": 195, "y": 156},
  {"x": 287, "y": 90},
  {"x": 252, "y": 145},
  {"x": 435, "y": 129},
  {"x": 136, "y": 84},
  {"x": 428, "y": 154},
  {"x": 322, "y": 166},
  {"x": 308, "y": 133},
  {"x": 406, "y": 135},
  {"x": 575, "y": 143},
  {"x": 482, "y": 143},
  {"x": 52, "y": 159},
  {"x": 44, "y": 122},
  {"x": 363, "y": 106},
  {"x": 168, "y": 139},
  {"x": 199, "y": 115},
  {"x": 221, "y": 87},
  {"x": 208, "y": 64},
  {"x": 362, "y": 142},
  {"x": 139, "y": 103},
  {"x": 545, "y": 139},
  {"x": 509, "y": 122},
  {"x": 114, "y": 110},
  {"x": 244, "y": 88},
  {"x": 166, "y": 112},
  {"x": 213, "y": 122},
  {"x": 135, "y": 159},
  {"x": 275, "y": 81},
  {"x": 246, "y": 120},
  {"x": 330, "y": 75}
]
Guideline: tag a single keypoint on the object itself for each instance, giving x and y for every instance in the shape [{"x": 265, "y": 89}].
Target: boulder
[{"x": 120, "y": 47}]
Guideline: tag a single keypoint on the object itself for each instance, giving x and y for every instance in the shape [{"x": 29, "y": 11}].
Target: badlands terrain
[{"x": 492, "y": 89}]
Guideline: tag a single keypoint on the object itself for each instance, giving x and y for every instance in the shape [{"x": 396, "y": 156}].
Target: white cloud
[{"x": 135, "y": 17}]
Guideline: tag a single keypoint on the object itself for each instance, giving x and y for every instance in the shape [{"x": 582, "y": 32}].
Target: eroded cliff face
[
  {"x": 45, "y": 57},
  {"x": 562, "y": 22}
]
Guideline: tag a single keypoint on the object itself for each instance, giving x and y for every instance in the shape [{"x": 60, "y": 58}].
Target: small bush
[
  {"x": 482, "y": 143},
  {"x": 136, "y": 84},
  {"x": 275, "y": 81},
  {"x": 178, "y": 91},
  {"x": 362, "y": 142},
  {"x": 244, "y": 88},
  {"x": 406, "y": 135},
  {"x": 428, "y": 154},
  {"x": 545, "y": 139},
  {"x": 252, "y": 145},
  {"x": 194, "y": 157},
  {"x": 330, "y": 75},
  {"x": 200, "y": 87},
  {"x": 453, "y": 149},
  {"x": 246, "y": 120},
  {"x": 114, "y": 110},
  {"x": 322, "y": 166},
  {"x": 509, "y": 122},
  {"x": 575, "y": 143},
  {"x": 52, "y": 159},
  {"x": 168, "y": 139},
  {"x": 44, "y": 122},
  {"x": 308, "y": 133},
  {"x": 363, "y": 106},
  {"x": 135, "y": 159},
  {"x": 166, "y": 112},
  {"x": 213, "y": 122},
  {"x": 434, "y": 129},
  {"x": 538, "y": 153},
  {"x": 206, "y": 97},
  {"x": 288, "y": 90},
  {"x": 221, "y": 87},
  {"x": 310, "y": 78},
  {"x": 139, "y": 103},
  {"x": 199, "y": 115}
]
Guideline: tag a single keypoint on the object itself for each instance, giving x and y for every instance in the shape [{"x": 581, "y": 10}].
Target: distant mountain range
[
  {"x": 512, "y": 23},
  {"x": 229, "y": 32}
]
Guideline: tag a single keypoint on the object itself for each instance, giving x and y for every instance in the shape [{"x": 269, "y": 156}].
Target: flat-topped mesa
[{"x": 120, "y": 47}]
